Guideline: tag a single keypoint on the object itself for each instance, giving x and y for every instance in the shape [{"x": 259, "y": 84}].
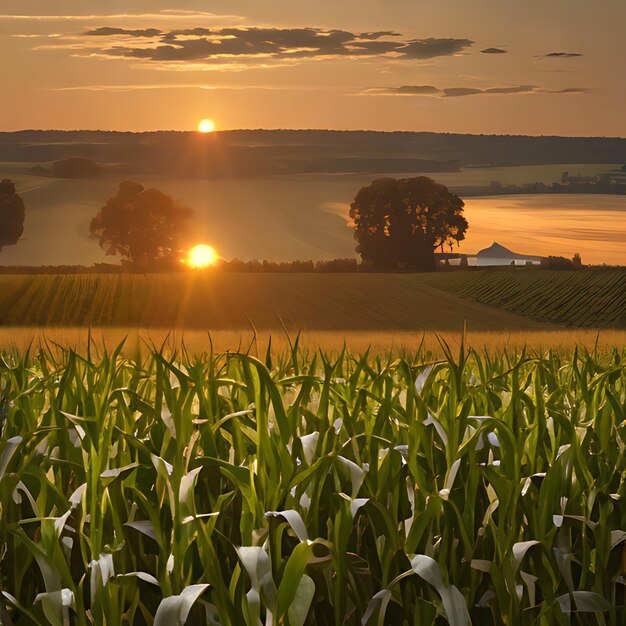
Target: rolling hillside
[
  {"x": 486, "y": 300},
  {"x": 217, "y": 301}
]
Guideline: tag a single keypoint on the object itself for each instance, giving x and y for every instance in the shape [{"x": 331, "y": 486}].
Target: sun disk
[
  {"x": 206, "y": 126},
  {"x": 201, "y": 256}
]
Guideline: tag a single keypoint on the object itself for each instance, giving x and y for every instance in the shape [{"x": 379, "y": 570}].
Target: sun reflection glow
[{"x": 201, "y": 256}]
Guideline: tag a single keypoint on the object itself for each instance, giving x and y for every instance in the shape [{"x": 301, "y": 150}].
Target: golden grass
[{"x": 196, "y": 341}]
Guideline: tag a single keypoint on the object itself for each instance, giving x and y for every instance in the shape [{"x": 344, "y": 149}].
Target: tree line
[
  {"x": 12, "y": 214},
  {"x": 398, "y": 225},
  {"x": 234, "y": 266}
]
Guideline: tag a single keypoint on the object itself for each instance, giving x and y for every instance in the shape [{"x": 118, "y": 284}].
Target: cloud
[
  {"x": 379, "y": 34},
  {"x": 201, "y": 86},
  {"x": 508, "y": 90},
  {"x": 494, "y": 51},
  {"x": 459, "y": 92},
  {"x": 567, "y": 90},
  {"x": 168, "y": 14},
  {"x": 223, "y": 45},
  {"x": 561, "y": 55},
  {"x": 430, "y": 48},
  {"x": 109, "y": 31},
  {"x": 416, "y": 90}
]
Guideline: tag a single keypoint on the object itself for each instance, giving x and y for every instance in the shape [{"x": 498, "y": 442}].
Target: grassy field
[
  {"x": 304, "y": 489},
  {"x": 518, "y": 301}
]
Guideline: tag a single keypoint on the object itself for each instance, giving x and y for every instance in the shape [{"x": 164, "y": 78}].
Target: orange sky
[{"x": 485, "y": 66}]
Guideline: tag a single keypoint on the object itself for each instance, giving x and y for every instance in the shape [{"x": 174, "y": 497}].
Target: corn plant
[{"x": 311, "y": 488}]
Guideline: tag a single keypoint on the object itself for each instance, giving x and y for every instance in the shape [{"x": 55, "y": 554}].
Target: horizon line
[{"x": 307, "y": 130}]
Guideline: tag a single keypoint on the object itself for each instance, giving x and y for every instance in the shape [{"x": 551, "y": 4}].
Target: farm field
[
  {"x": 140, "y": 341},
  {"x": 595, "y": 298},
  {"x": 531, "y": 300},
  {"x": 312, "y": 315},
  {"x": 303, "y": 489},
  {"x": 224, "y": 301}
]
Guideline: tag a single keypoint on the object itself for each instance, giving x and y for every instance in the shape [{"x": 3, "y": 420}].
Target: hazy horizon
[{"x": 302, "y": 129}]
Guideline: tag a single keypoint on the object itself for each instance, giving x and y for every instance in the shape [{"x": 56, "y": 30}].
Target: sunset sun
[
  {"x": 201, "y": 256},
  {"x": 206, "y": 126}
]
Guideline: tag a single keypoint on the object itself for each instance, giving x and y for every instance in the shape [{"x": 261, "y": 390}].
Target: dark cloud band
[
  {"x": 110, "y": 31},
  {"x": 458, "y": 92},
  {"x": 206, "y": 44},
  {"x": 562, "y": 55}
]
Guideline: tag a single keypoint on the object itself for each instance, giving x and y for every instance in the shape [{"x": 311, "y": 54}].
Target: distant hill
[
  {"x": 261, "y": 152},
  {"x": 497, "y": 251}
]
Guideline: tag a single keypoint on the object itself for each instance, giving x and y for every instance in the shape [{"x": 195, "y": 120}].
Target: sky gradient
[{"x": 485, "y": 66}]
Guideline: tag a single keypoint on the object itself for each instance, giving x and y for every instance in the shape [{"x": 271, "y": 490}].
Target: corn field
[
  {"x": 308, "y": 488},
  {"x": 593, "y": 298}
]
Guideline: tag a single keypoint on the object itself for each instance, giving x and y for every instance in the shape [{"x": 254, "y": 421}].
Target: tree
[
  {"x": 141, "y": 225},
  {"x": 12, "y": 214},
  {"x": 75, "y": 167},
  {"x": 557, "y": 263},
  {"x": 400, "y": 223}
]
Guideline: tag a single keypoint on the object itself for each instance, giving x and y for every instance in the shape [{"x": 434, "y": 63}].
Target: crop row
[{"x": 592, "y": 298}]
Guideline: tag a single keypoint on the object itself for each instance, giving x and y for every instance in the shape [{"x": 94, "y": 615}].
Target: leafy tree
[
  {"x": 141, "y": 225},
  {"x": 75, "y": 167},
  {"x": 400, "y": 223},
  {"x": 12, "y": 214}
]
